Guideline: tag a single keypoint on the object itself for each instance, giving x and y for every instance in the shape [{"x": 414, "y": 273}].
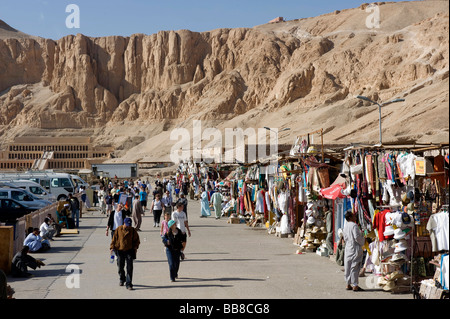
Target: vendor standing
[{"x": 353, "y": 255}]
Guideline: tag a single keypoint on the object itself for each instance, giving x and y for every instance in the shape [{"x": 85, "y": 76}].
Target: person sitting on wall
[
  {"x": 35, "y": 242},
  {"x": 21, "y": 261}
]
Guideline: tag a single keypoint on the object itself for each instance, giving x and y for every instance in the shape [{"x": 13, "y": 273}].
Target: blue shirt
[{"x": 142, "y": 196}]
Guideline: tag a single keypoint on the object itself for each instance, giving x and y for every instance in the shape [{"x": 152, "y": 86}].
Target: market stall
[{"x": 397, "y": 194}]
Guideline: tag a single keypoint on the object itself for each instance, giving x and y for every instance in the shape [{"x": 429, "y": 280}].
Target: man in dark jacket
[
  {"x": 75, "y": 208},
  {"x": 125, "y": 244},
  {"x": 21, "y": 262}
]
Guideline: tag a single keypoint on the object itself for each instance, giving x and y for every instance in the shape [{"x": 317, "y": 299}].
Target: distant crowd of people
[{"x": 124, "y": 203}]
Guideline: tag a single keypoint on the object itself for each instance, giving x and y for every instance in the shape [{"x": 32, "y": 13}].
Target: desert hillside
[{"x": 305, "y": 74}]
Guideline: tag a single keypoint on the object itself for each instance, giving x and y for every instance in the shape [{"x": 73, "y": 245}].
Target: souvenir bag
[{"x": 324, "y": 177}]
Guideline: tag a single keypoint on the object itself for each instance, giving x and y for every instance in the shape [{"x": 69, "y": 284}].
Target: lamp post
[
  {"x": 282, "y": 130},
  {"x": 379, "y": 109}
]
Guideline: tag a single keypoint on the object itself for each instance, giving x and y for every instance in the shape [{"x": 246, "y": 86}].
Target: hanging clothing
[
  {"x": 438, "y": 227},
  {"x": 260, "y": 206},
  {"x": 283, "y": 202}
]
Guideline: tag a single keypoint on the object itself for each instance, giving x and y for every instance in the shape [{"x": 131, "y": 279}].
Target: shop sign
[{"x": 420, "y": 166}]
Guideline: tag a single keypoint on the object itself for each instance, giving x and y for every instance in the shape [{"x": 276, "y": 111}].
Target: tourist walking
[
  {"x": 353, "y": 253},
  {"x": 156, "y": 208},
  {"x": 137, "y": 212},
  {"x": 173, "y": 241},
  {"x": 179, "y": 216},
  {"x": 182, "y": 200},
  {"x": 143, "y": 198},
  {"x": 165, "y": 224},
  {"x": 205, "y": 204},
  {"x": 125, "y": 244},
  {"x": 116, "y": 219},
  {"x": 101, "y": 199},
  {"x": 109, "y": 202},
  {"x": 167, "y": 202}
]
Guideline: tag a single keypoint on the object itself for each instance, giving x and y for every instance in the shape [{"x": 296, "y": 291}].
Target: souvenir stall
[
  {"x": 384, "y": 188},
  {"x": 317, "y": 168},
  {"x": 430, "y": 262},
  {"x": 316, "y": 229}
]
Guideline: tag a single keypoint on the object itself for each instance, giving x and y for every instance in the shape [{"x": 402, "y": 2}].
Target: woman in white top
[{"x": 156, "y": 208}]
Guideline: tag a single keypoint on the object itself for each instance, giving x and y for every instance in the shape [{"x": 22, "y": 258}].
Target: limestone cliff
[{"x": 303, "y": 73}]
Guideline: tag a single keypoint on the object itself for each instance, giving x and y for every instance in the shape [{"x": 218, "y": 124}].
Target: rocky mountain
[{"x": 304, "y": 74}]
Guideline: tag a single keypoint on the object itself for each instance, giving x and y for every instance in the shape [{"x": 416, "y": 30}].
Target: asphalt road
[{"x": 223, "y": 261}]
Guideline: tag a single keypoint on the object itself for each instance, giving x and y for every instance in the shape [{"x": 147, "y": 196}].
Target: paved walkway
[{"x": 224, "y": 261}]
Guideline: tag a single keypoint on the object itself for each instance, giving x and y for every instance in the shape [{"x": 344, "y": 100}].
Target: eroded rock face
[{"x": 82, "y": 82}]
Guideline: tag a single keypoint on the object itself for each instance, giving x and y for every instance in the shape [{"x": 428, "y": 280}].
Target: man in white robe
[{"x": 353, "y": 255}]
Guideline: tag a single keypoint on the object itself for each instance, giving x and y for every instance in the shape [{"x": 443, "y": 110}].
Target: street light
[
  {"x": 379, "y": 109},
  {"x": 282, "y": 130}
]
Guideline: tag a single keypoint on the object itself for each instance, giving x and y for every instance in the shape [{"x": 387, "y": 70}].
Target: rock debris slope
[{"x": 130, "y": 92}]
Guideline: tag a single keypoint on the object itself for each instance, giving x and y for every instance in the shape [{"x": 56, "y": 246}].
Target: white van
[
  {"x": 78, "y": 181},
  {"x": 59, "y": 184},
  {"x": 32, "y": 187},
  {"x": 23, "y": 197}
]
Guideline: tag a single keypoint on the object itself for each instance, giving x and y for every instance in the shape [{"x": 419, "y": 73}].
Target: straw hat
[
  {"x": 315, "y": 229},
  {"x": 317, "y": 241},
  {"x": 311, "y": 220},
  {"x": 389, "y": 286},
  {"x": 398, "y": 257}
]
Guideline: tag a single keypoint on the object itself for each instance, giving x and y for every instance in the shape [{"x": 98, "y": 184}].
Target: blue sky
[{"x": 47, "y": 18}]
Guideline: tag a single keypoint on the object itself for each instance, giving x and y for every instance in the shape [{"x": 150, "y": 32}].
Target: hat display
[
  {"x": 406, "y": 219},
  {"x": 405, "y": 199},
  {"x": 389, "y": 230},
  {"x": 398, "y": 257},
  {"x": 410, "y": 208},
  {"x": 400, "y": 246},
  {"x": 399, "y": 234},
  {"x": 171, "y": 222}
]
